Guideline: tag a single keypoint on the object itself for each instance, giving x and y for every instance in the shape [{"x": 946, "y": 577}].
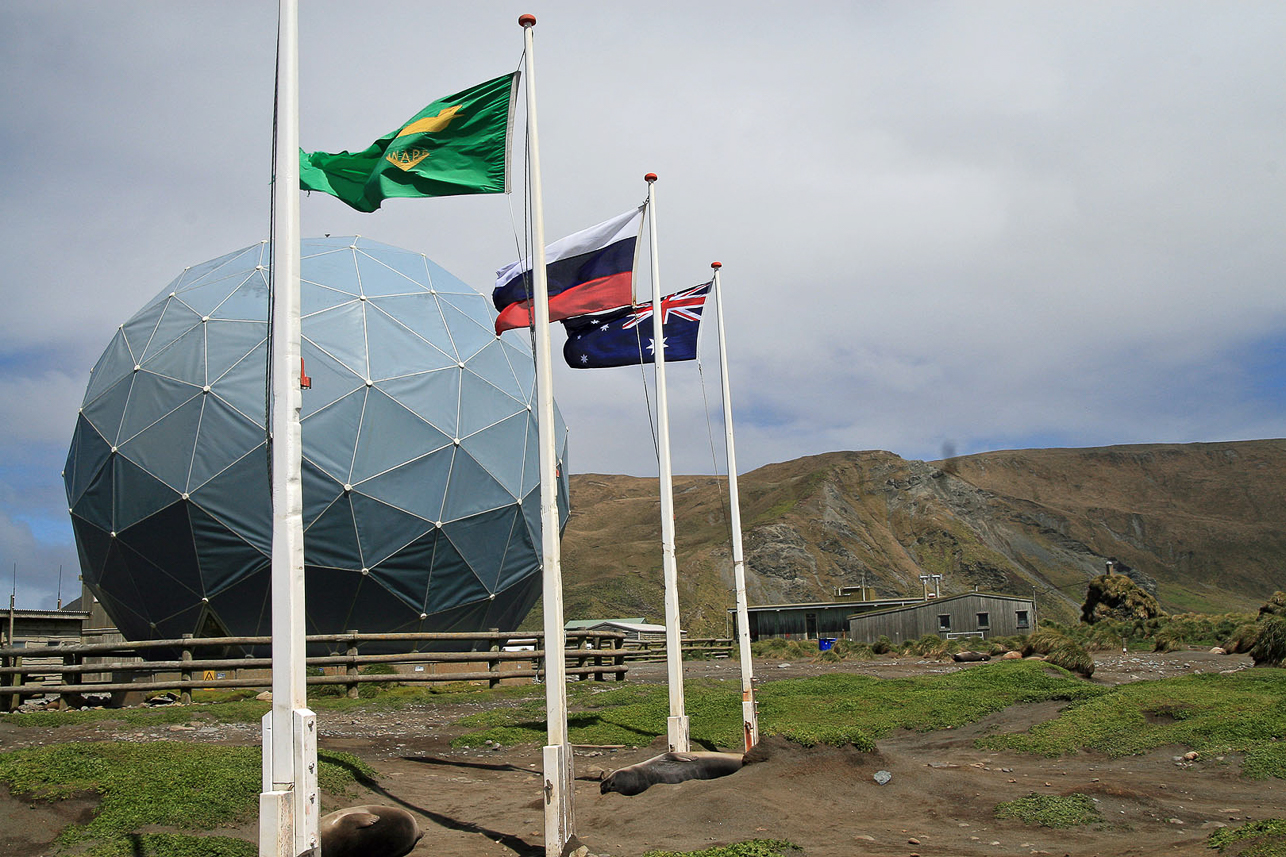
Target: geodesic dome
[{"x": 420, "y": 459}]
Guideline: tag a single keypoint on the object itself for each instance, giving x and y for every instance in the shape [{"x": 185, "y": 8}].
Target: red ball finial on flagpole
[
  {"x": 649, "y": 178},
  {"x": 526, "y": 20},
  {"x": 716, "y": 265}
]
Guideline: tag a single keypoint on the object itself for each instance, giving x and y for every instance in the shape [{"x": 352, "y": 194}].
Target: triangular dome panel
[
  {"x": 248, "y": 302},
  {"x": 435, "y": 396},
  {"x": 391, "y": 435}
]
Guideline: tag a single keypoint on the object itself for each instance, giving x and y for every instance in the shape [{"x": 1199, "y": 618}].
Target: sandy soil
[{"x": 940, "y": 799}]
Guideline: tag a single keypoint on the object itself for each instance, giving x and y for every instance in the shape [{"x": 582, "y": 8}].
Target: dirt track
[{"x": 940, "y": 799}]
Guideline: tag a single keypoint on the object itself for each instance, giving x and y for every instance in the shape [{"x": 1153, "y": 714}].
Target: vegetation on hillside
[{"x": 1199, "y": 519}]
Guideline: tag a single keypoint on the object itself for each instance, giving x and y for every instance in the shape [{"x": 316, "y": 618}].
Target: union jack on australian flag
[{"x": 624, "y": 337}]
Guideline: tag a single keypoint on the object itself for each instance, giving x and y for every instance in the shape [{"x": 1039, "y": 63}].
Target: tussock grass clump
[
  {"x": 1274, "y": 606},
  {"x": 1169, "y": 639},
  {"x": 1055, "y": 811},
  {"x": 1266, "y": 838},
  {"x": 1058, "y": 648},
  {"x": 853, "y": 650},
  {"x": 1269, "y": 649},
  {"x": 882, "y": 645},
  {"x": 1103, "y": 637},
  {"x": 928, "y": 646},
  {"x": 1242, "y": 640},
  {"x": 1115, "y": 596}
]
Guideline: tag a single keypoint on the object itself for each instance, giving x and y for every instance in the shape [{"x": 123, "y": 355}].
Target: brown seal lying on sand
[
  {"x": 670, "y": 768},
  {"x": 368, "y": 831}
]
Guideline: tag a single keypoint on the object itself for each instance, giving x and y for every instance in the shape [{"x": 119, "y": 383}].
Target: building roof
[
  {"x": 921, "y": 603},
  {"x": 825, "y": 605},
  {"x": 583, "y": 624},
  {"x": 639, "y": 627}
]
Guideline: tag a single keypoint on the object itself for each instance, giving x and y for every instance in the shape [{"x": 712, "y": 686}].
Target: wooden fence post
[
  {"x": 185, "y": 692},
  {"x": 351, "y": 672},
  {"x": 493, "y": 665}
]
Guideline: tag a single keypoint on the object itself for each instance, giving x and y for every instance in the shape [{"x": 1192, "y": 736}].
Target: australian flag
[{"x": 624, "y": 337}]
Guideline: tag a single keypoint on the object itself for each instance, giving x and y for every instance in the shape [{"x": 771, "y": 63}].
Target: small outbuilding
[
  {"x": 635, "y": 630},
  {"x": 973, "y": 614}
]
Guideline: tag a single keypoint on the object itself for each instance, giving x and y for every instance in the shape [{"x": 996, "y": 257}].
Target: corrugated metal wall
[{"x": 973, "y": 614}]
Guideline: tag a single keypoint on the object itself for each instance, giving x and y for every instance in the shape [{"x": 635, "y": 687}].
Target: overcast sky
[{"x": 944, "y": 226}]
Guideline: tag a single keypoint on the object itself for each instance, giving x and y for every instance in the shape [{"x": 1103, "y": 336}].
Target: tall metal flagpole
[
  {"x": 559, "y": 776},
  {"x": 677, "y": 723},
  {"x": 749, "y": 716},
  {"x": 288, "y": 805}
]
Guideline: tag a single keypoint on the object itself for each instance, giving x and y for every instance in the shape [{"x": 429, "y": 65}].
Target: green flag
[{"x": 456, "y": 145}]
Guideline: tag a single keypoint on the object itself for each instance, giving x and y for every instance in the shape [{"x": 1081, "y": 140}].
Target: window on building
[
  {"x": 944, "y": 621},
  {"x": 1022, "y": 619},
  {"x": 984, "y": 621}
]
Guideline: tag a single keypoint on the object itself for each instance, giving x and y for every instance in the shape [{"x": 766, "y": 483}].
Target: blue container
[{"x": 824, "y": 643}]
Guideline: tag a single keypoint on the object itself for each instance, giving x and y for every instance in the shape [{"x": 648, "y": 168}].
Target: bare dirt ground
[{"x": 940, "y": 800}]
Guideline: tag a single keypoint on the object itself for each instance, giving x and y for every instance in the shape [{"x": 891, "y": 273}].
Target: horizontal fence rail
[{"x": 70, "y": 672}]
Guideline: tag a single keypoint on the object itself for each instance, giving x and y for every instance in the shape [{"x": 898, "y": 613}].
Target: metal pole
[
  {"x": 749, "y": 717},
  {"x": 288, "y": 805},
  {"x": 677, "y": 722},
  {"x": 558, "y": 759}
]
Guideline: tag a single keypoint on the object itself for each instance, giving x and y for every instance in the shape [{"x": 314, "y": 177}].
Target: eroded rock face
[{"x": 778, "y": 550}]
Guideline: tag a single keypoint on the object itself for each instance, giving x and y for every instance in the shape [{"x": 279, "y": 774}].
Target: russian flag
[{"x": 590, "y": 271}]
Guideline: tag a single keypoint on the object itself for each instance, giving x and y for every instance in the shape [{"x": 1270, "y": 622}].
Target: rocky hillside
[{"x": 1202, "y": 526}]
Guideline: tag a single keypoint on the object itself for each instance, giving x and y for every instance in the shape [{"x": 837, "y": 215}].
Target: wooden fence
[
  {"x": 701, "y": 647},
  {"x": 71, "y": 672}
]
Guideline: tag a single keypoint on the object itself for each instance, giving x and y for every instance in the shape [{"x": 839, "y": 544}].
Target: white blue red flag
[
  {"x": 624, "y": 338},
  {"x": 588, "y": 272}
]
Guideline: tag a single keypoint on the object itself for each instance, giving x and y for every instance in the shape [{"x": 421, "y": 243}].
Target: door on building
[{"x": 810, "y": 626}]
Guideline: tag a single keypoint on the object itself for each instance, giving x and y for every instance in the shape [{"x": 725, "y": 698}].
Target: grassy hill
[{"x": 1200, "y": 525}]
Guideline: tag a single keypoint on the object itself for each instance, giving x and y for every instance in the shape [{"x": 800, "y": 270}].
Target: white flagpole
[
  {"x": 558, "y": 759},
  {"x": 288, "y": 805},
  {"x": 749, "y": 716},
  {"x": 677, "y": 722}
]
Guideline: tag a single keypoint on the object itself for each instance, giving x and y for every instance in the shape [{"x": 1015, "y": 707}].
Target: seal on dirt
[
  {"x": 670, "y": 768},
  {"x": 368, "y": 831}
]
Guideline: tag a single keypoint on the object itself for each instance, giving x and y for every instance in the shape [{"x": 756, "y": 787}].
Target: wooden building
[
  {"x": 808, "y": 620},
  {"x": 973, "y": 614},
  {"x": 42, "y": 629}
]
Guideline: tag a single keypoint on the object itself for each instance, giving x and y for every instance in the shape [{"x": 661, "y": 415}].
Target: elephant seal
[
  {"x": 670, "y": 768},
  {"x": 970, "y": 657},
  {"x": 368, "y": 831}
]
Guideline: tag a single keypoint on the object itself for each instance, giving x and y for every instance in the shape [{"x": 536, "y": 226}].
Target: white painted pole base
[
  {"x": 750, "y": 722},
  {"x": 559, "y": 782},
  {"x": 276, "y": 821},
  {"x": 677, "y": 729},
  {"x": 288, "y": 817},
  {"x": 307, "y": 800}
]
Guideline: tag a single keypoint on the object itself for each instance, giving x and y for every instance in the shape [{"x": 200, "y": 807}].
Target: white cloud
[{"x": 1001, "y": 224}]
